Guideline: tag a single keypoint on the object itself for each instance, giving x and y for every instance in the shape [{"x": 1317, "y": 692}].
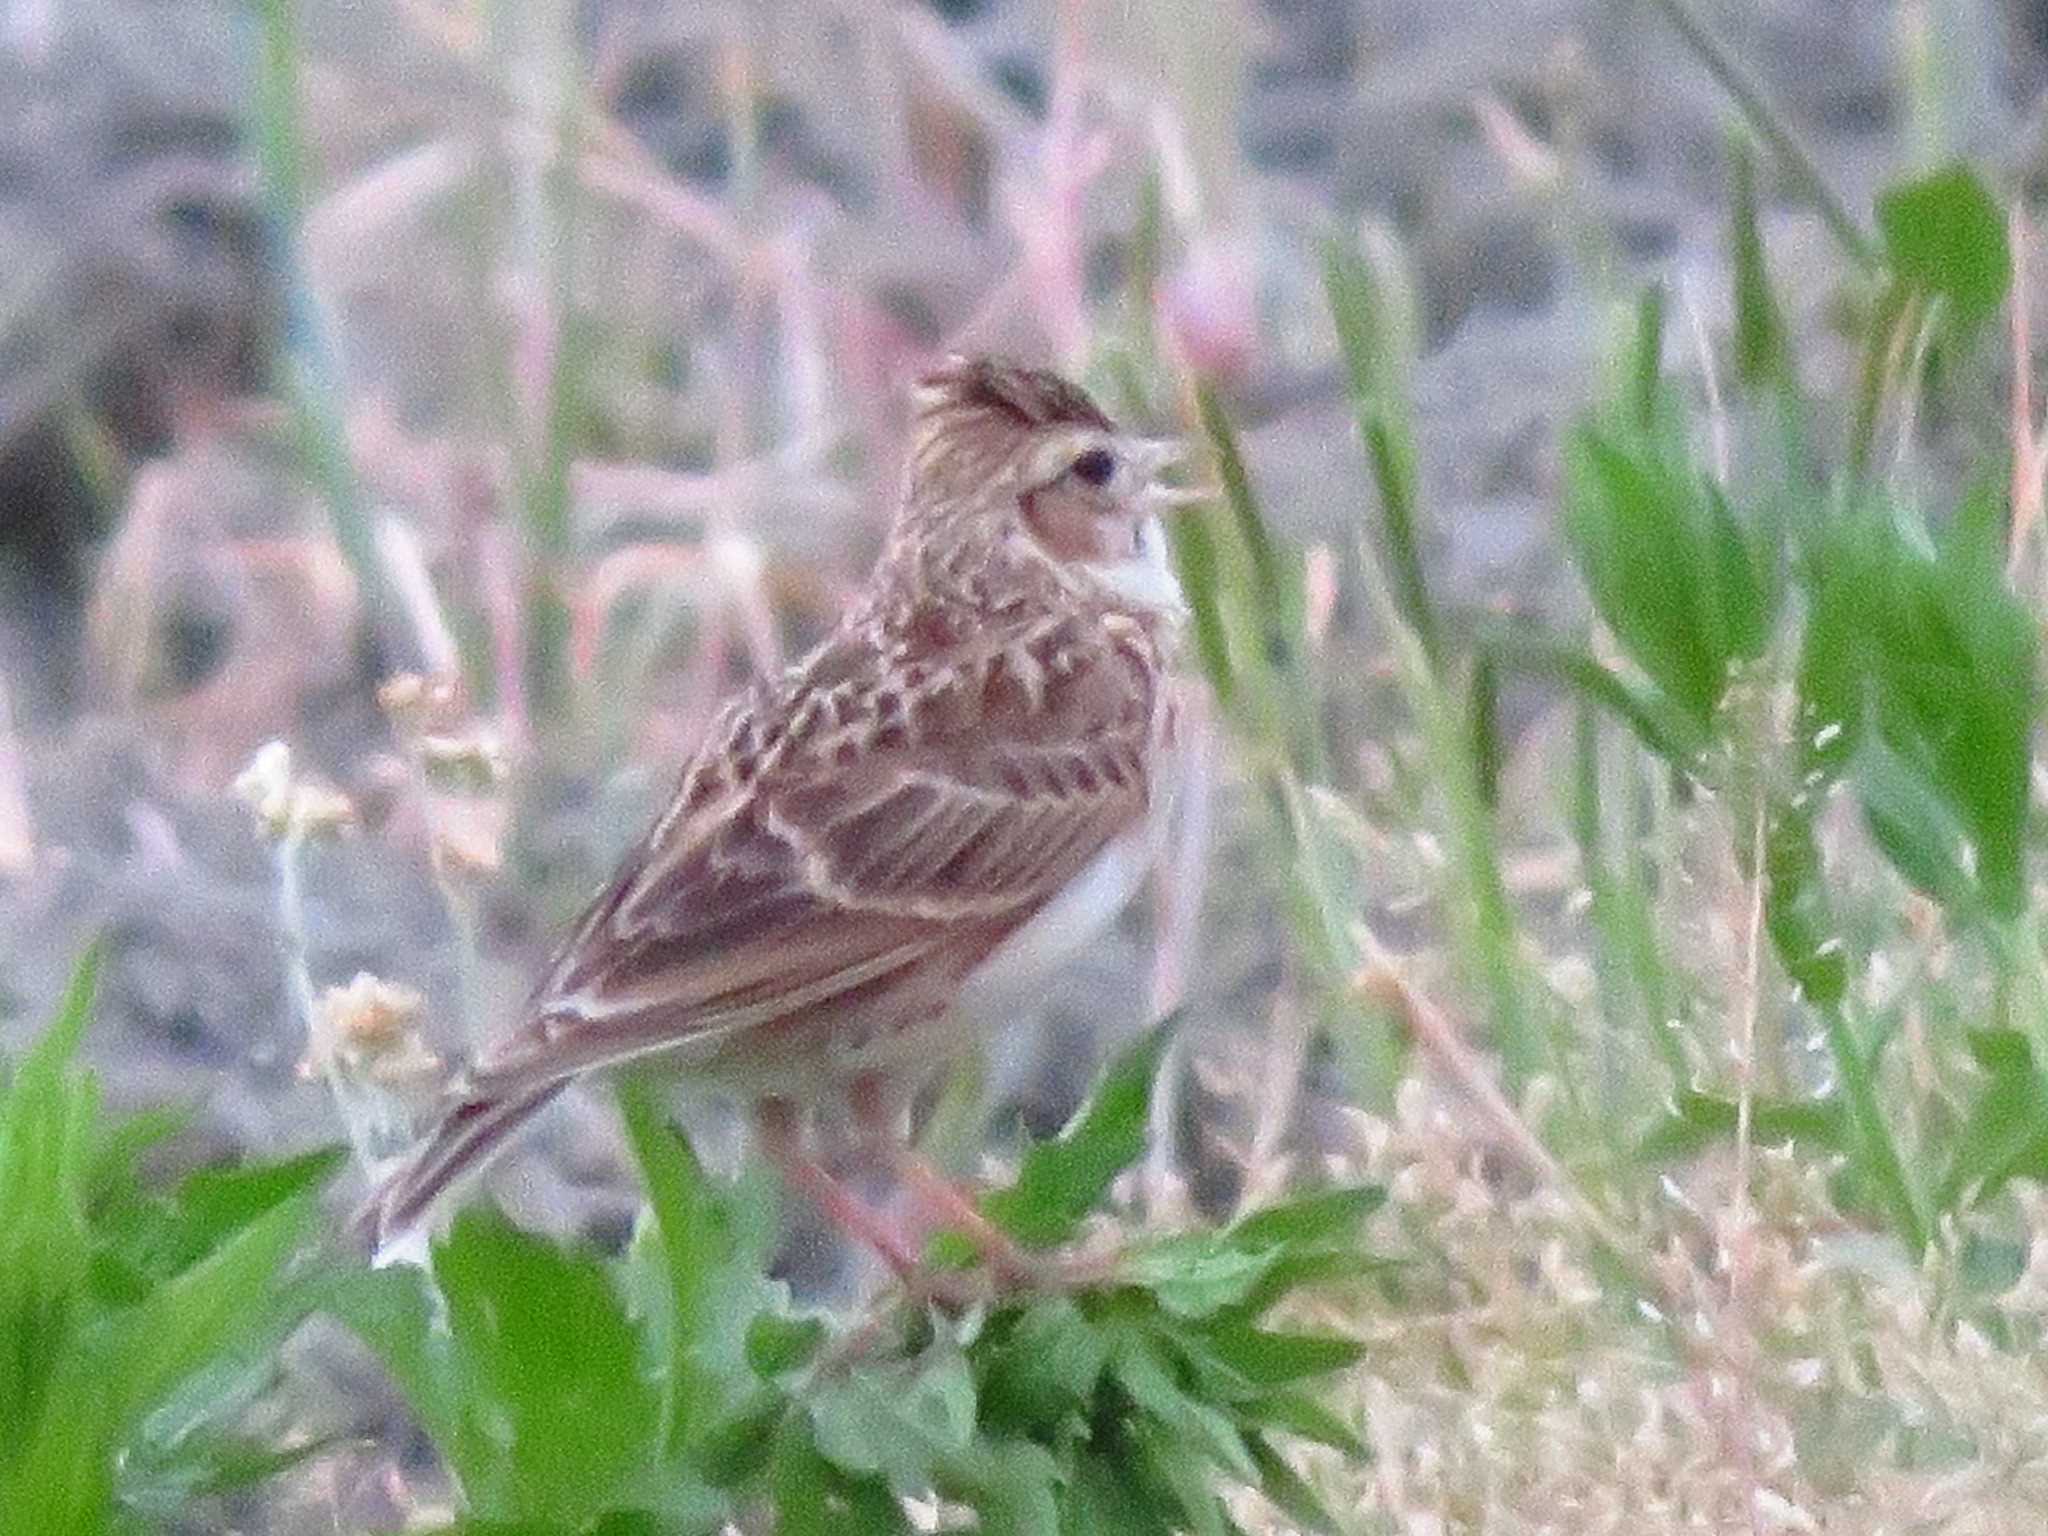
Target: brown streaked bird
[{"x": 953, "y": 792}]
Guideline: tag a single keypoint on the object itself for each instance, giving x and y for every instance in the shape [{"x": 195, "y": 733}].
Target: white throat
[{"x": 1145, "y": 578}]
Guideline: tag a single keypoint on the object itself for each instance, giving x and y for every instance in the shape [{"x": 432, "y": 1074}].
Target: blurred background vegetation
[{"x": 1617, "y": 625}]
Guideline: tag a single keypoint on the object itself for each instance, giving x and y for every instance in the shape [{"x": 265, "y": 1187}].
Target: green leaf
[
  {"x": 1273, "y": 600},
  {"x": 1646, "y": 357},
  {"x": 190, "y": 1318},
  {"x": 1521, "y": 648},
  {"x": 1142, "y": 1371},
  {"x": 739, "y": 1445},
  {"x": 1699, "y": 1120},
  {"x": 951, "y": 1251},
  {"x": 548, "y": 1348},
  {"x": 1266, "y": 1358},
  {"x": 61, "y": 1040},
  {"x": 153, "y": 1238},
  {"x": 1944, "y": 233},
  {"x": 1198, "y": 564},
  {"x": 1981, "y": 737},
  {"x": 1196, "y": 1274},
  {"x": 1044, "y": 1368},
  {"x": 1299, "y": 1414},
  {"x": 896, "y": 1422},
  {"x": 49, "y": 1137},
  {"x": 212, "y": 1464},
  {"x": 1112, "y": 1492},
  {"x": 1011, "y": 1484},
  {"x": 2005, "y": 1133},
  {"x": 1483, "y": 722},
  {"x": 1330, "y": 1216},
  {"x": 1762, "y": 354},
  {"x": 392, "y": 1311},
  {"x": 216, "y": 1201},
  {"x": 119, "y": 1147},
  {"x": 1261, "y": 604},
  {"x": 1173, "y": 1461},
  {"x": 1925, "y": 651},
  {"x": 1668, "y": 567},
  {"x": 1797, "y": 913},
  {"x": 1915, "y": 827},
  {"x": 814, "y": 1498},
  {"x": 714, "y": 1244},
  {"x": 776, "y": 1343},
  {"x": 1062, "y": 1180},
  {"x": 1833, "y": 659},
  {"x": 1288, "y": 1492}
]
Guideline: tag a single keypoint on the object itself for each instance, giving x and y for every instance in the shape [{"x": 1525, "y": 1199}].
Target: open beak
[
  {"x": 1178, "y": 498},
  {"x": 1149, "y": 458}
]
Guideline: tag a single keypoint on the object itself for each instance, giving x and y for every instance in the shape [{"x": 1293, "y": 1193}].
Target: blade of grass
[
  {"x": 1482, "y": 920},
  {"x": 312, "y": 376},
  {"x": 1793, "y": 160},
  {"x": 1371, "y": 360},
  {"x": 1762, "y": 352},
  {"x": 1523, "y": 649},
  {"x": 1804, "y": 931},
  {"x": 1271, "y": 608},
  {"x": 1646, "y": 357},
  {"x": 1620, "y": 912}
]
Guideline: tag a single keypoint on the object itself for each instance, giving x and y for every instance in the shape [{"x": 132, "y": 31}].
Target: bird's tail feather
[{"x": 473, "y": 1129}]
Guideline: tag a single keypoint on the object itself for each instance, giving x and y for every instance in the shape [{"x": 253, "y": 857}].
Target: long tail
[{"x": 471, "y": 1131}]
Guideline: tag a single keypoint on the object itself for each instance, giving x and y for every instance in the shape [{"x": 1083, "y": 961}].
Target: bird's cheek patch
[{"x": 1070, "y": 526}]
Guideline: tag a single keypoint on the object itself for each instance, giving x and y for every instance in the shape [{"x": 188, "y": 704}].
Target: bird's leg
[
  {"x": 879, "y": 1116},
  {"x": 779, "y": 1129}
]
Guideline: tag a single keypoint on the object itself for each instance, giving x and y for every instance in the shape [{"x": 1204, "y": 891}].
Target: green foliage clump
[
  {"x": 674, "y": 1390},
  {"x": 133, "y": 1323}
]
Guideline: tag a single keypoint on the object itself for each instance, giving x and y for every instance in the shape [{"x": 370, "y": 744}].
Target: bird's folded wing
[{"x": 833, "y": 878}]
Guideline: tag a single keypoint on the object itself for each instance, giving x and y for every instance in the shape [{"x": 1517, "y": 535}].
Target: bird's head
[{"x": 1007, "y": 455}]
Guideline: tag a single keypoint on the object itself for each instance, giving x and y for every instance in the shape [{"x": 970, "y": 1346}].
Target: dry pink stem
[
  {"x": 1530, "y": 161},
  {"x": 397, "y": 465},
  {"x": 1049, "y": 224},
  {"x": 17, "y": 828},
  {"x": 606, "y": 493},
  {"x": 1738, "y": 1241},
  {"x": 499, "y": 570},
  {"x": 1180, "y": 878},
  {"x": 1915, "y": 378},
  {"x": 355, "y": 219},
  {"x": 743, "y": 584},
  {"x": 801, "y": 310},
  {"x": 1434, "y": 1031},
  {"x": 617, "y": 168},
  {"x": 122, "y": 612},
  {"x": 939, "y": 53},
  {"x": 621, "y": 571},
  {"x": 398, "y": 549},
  {"x": 2027, "y": 489}
]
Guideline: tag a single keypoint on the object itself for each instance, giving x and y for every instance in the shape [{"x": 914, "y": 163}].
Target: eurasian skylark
[{"x": 951, "y": 794}]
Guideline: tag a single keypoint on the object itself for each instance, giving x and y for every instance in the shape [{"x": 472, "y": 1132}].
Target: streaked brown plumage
[{"x": 954, "y": 786}]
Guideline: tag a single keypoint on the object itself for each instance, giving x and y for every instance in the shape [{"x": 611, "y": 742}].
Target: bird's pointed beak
[
  {"x": 1178, "y": 498},
  {"x": 1153, "y": 456}
]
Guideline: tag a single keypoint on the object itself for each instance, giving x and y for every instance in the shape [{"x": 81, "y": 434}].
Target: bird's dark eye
[{"x": 1095, "y": 466}]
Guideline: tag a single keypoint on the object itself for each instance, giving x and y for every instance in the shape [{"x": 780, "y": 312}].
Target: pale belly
[
  {"x": 1087, "y": 905},
  {"x": 909, "y": 1044}
]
